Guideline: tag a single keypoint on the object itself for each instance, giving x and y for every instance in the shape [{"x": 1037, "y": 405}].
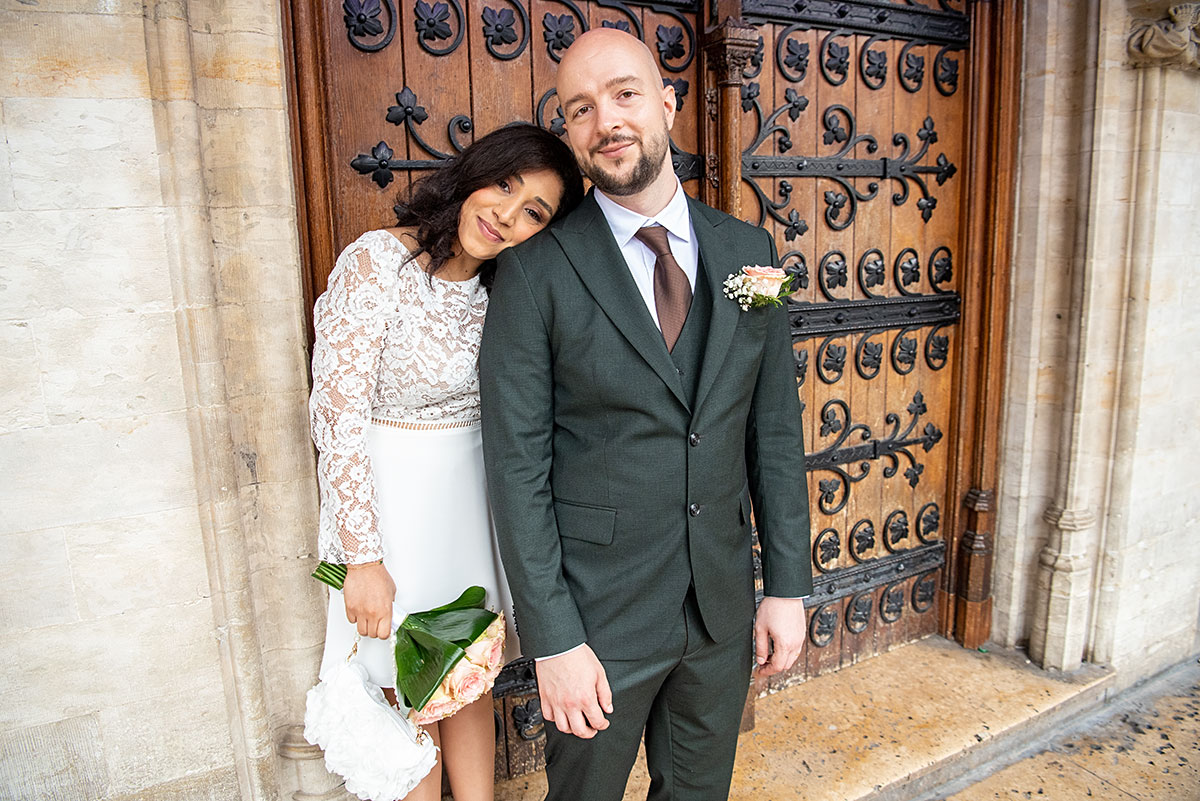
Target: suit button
[
  {"x": 694, "y": 510},
  {"x": 693, "y": 439}
]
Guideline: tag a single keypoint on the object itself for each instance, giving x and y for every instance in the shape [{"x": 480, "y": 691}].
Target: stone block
[
  {"x": 59, "y": 761},
  {"x": 128, "y": 7},
  {"x": 1181, "y": 91},
  {"x": 1175, "y": 187},
  {"x": 223, "y": 16},
  {"x": 155, "y": 740},
  {"x": 8, "y": 201},
  {"x": 22, "y": 403},
  {"x": 216, "y": 785},
  {"x": 72, "y": 55},
  {"x": 293, "y": 673},
  {"x": 63, "y": 671},
  {"x": 114, "y": 366},
  {"x": 70, "y": 153},
  {"x": 287, "y": 591},
  {"x": 256, "y": 254},
  {"x": 266, "y": 348},
  {"x": 281, "y": 518},
  {"x": 246, "y": 158},
  {"x": 168, "y": 52},
  {"x": 92, "y": 262},
  {"x": 183, "y": 182},
  {"x": 270, "y": 435},
  {"x": 238, "y": 70},
  {"x": 35, "y": 582},
  {"x": 69, "y": 474},
  {"x": 110, "y": 559}
]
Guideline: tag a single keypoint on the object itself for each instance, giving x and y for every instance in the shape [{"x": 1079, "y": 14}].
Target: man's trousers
[{"x": 687, "y": 695}]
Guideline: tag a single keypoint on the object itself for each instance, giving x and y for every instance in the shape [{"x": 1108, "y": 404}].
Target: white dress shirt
[{"x": 640, "y": 259}]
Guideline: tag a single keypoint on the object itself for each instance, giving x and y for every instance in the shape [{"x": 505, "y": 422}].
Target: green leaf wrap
[{"x": 428, "y": 644}]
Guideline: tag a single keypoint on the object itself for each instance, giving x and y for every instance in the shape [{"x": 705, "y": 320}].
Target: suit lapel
[
  {"x": 716, "y": 254},
  {"x": 593, "y": 253}
]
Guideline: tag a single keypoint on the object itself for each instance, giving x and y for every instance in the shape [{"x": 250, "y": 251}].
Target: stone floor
[
  {"x": 893, "y": 727},
  {"x": 1146, "y": 746}
]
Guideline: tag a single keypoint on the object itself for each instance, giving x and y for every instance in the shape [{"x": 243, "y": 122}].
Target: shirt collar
[{"x": 624, "y": 223}]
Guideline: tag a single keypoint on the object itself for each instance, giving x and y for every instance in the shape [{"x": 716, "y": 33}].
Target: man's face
[{"x": 618, "y": 115}]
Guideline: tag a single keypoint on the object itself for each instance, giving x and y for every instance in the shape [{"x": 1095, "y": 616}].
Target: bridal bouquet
[{"x": 445, "y": 657}]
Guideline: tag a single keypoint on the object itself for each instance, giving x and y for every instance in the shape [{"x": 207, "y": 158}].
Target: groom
[{"x": 632, "y": 415}]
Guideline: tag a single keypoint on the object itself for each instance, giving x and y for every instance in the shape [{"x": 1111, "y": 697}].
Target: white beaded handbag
[{"x": 368, "y": 742}]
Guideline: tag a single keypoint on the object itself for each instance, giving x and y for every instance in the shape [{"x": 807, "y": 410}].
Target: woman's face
[{"x": 508, "y": 212}]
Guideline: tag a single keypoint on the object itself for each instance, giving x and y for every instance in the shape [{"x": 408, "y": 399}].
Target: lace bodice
[{"x": 394, "y": 345}]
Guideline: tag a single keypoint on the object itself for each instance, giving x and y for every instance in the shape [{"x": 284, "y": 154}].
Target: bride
[{"x": 395, "y": 413}]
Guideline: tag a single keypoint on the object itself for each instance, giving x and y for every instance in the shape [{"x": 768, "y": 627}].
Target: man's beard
[{"x": 647, "y": 168}]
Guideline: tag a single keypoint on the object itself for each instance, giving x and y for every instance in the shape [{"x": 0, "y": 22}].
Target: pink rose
[
  {"x": 496, "y": 657},
  {"x": 439, "y": 706},
  {"x": 479, "y": 650},
  {"x": 488, "y": 650},
  {"x": 765, "y": 280},
  {"x": 466, "y": 682}
]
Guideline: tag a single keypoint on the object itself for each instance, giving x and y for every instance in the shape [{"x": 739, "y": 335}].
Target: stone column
[
  {"x": 1099, "y": 498},
  {"x": 1064, "y": 573},
  {"x": 186, "y": 196}
]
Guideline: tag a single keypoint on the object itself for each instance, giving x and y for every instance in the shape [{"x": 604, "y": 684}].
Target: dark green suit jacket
[{"x": 611, "y": 493}]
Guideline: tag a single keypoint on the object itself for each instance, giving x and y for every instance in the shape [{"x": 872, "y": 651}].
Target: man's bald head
[
  {"x": 604, "y": 44},
  {"x": 617, "y": 111}
]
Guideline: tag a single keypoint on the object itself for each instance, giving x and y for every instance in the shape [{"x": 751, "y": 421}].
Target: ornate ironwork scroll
[
  {"x": 895, "y": 567},
  {"x": 408, "y": 113},
  {"x": 498, "y": 30},
  {"x": 810, "y": 320},
  {"x": 904, "y": 168},
  {"x": 834, "y": 493},
  {"x": 433, "y": 25},
  {"x": 939, "y": 26},
  {"x": 362, "y": 22}
]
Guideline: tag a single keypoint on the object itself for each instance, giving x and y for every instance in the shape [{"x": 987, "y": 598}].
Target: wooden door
[
  {"x": 843, "y": 129},
  {"x": 853, "y": 130}
]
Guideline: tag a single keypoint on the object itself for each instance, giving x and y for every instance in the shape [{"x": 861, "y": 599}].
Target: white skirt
[{"x": 437, "y": 535}]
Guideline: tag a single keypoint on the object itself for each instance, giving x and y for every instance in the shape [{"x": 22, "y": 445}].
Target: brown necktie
[{"x": 672, "y": 292}]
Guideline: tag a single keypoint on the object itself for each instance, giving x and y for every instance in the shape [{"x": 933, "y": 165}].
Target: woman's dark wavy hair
[{"x": 433, "y": 203}]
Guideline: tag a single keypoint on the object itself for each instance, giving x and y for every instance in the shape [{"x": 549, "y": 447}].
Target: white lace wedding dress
[{"x": 395, "y": 417}]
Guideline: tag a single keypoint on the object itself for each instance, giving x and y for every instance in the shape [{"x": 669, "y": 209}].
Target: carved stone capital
[
  {"x": 1170, "y": 42},
  {"x": 292, "y": 745},
  {"x": 1069, "y": 519},
  {"x": 729, "y": 47}
]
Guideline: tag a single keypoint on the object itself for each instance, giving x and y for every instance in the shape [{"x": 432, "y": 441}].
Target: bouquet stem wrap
[{"x": 446, "y": 657}]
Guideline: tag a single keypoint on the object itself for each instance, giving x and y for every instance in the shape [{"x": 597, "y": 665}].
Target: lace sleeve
[{"x": 349, "y": 321}]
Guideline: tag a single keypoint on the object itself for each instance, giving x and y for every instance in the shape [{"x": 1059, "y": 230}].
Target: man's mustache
[{"x": 614, "y": 140}]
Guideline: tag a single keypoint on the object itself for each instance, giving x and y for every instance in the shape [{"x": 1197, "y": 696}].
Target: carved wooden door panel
[{"x": 853, "y": 128}]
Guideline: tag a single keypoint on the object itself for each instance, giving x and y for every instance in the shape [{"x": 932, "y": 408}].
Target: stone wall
[
  {"x": 160, "y": 628},
  {"x": 1097, "y": 553}
]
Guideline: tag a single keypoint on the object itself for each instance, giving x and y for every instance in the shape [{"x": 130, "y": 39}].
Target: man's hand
[
  {"x": 368, "y": 593},
  {"x": 779, "y": 632},
  {"x": 575, "y": 693}
]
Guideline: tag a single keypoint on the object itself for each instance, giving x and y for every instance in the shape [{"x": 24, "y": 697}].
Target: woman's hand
[{"x": 368, "y": 593}]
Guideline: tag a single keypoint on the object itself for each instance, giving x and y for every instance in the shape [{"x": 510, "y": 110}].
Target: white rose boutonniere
[{"x": 757, "y": 286}]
